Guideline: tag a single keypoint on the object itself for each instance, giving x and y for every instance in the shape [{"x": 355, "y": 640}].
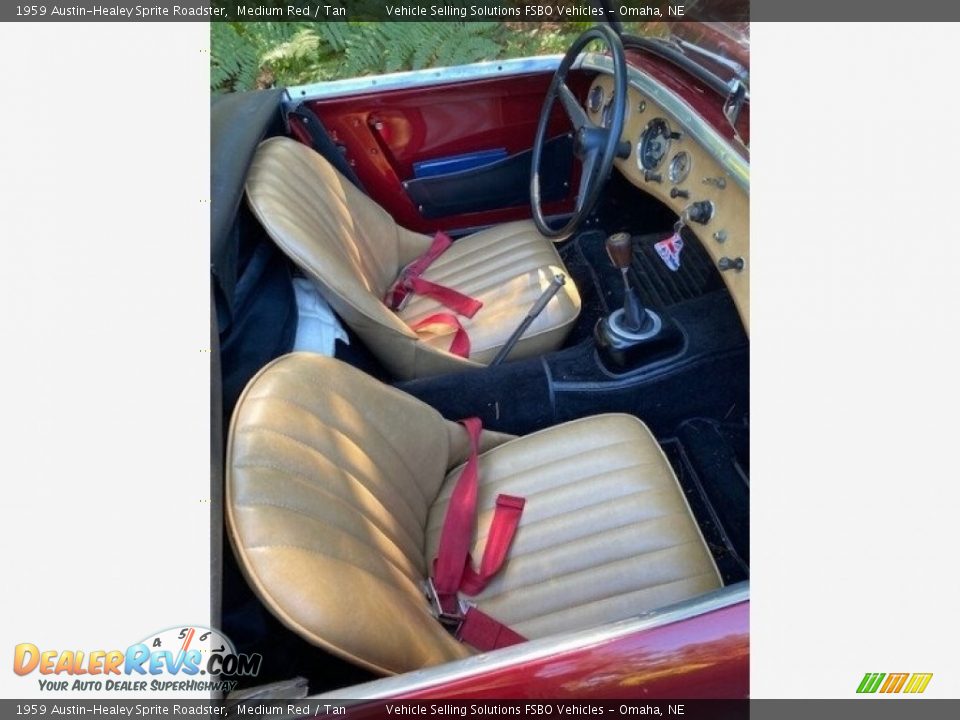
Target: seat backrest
[
  {"x": 330, "y": 475},
  {"x": 346, "y": 243}
]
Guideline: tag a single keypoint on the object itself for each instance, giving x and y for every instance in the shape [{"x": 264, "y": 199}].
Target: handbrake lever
[{"x": 559, "y": 280}]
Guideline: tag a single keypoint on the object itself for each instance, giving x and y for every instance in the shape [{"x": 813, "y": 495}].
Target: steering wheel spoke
[
  {"x": 588, "y": 169},
  {"x": 574, "y": 109}
]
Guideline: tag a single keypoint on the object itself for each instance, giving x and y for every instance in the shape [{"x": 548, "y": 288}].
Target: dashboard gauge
[
  {"x": 607, "y": 112},
  {"x": 654, "y": 144},
  {"x": 595, "y": 99},
  {"x": 679, "y": 167}
]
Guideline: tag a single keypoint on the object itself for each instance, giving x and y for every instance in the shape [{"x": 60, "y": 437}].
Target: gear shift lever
[
  {"x": 636, "y": 319},
  {"x": 632, "y": 336}
]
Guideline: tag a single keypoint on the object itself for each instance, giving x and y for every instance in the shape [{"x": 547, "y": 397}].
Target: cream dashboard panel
[{"x": 697, "y": 174}]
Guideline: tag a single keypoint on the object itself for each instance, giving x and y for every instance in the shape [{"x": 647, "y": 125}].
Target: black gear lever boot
[
  {"x": 634, "y": 335},
  {"x": 635, "y": 321}
]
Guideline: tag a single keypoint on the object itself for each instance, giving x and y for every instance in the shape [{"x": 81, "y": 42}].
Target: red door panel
[{"x": 386, "y": 133}]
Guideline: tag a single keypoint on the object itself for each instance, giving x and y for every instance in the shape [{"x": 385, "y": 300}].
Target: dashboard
[{"x": 667, "y": 162}]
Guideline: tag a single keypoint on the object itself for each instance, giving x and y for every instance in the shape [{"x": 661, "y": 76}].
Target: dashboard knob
[
  {"x": 699, "y": 212},
  {"x": 674, "y": 135},
  {"x": 651, "y": 176},
  {"x": 678, "y": 193},
  {"x": 726, "y": 263}
]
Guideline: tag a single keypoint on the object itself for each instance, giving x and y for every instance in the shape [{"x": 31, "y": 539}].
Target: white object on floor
[{"x": 318, "y": 328}]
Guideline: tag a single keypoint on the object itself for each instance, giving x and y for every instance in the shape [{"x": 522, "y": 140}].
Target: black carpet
[
  {"x": 709, "y": 378},
  {"x": 586, "y": 259},
  {"x": 593, "y": 301},
  {"x": 711, "y": 460},
  {"x": 662, "y": 287}
]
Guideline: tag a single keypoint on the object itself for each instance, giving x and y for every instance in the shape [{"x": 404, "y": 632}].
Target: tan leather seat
[
  {"x": 355, "y": 251},
  {"x": 336, "y": 491}
]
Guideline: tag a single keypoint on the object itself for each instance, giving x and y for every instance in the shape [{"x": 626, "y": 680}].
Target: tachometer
[
  {"x": 654, "y": 144},
  {"x": 595, "y": 99},
  {"x": 607, "y": 112},
  {"x": 679, "y": 167}
]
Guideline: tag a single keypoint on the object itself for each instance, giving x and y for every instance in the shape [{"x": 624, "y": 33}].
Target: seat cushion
[
  {"x": 606, "y": 532},
  {"x": 507, "y": 268}
]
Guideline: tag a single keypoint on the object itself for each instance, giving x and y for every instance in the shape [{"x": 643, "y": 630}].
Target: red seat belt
[
  {"x": 506, "y": 518},
  {"x": 461, "y": 341},
  {"x": 410, "y": 281},
  {"x": 448, "y": 297},
  {"x": 484, "y": 633},
  {"x": 453, "y": 567}
]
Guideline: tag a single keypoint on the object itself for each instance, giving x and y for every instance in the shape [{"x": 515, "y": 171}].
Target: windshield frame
[{"x": 723, "y": 62}]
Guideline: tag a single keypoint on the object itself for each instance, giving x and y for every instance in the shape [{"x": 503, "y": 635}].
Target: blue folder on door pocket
[{"x": 456, "y": 163}]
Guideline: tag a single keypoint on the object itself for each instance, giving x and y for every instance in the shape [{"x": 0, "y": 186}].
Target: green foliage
[
  {"x": 234, "y": 61},
  {"x": 245, "y": 56},
  {"x": 237, "y": 52},
  {"x": 390, "y": 47}
]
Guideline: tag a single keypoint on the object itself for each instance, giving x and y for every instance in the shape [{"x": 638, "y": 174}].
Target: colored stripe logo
[{"x": 885, "y": 683}]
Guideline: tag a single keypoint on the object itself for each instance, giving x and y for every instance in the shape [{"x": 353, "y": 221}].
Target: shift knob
[{"x": 620, "y": 250}]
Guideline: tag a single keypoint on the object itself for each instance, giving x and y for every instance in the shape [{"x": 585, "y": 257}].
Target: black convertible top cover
[
  {"x": 238, "y": 122},
  {"x": 256, "y": 311}
]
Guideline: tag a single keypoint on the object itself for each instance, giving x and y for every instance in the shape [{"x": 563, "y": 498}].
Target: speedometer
[
  {"x": 607, "y": 112},
  {"x": 654, "y": 144},
  {"x": 679, "y": 167},
  {"x": 595, "y": 99}
]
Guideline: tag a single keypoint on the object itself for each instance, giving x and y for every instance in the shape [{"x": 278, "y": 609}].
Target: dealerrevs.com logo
[{"x": 180, "y": 659}]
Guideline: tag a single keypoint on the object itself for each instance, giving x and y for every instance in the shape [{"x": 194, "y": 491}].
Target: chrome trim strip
[
  {"x": 711, "y": 141},
  {"x": 537, "y": 649},
  {"x": 425, "y": 78}
]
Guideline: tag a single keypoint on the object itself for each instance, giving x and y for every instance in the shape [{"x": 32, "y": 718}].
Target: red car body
[{"x": 706, "y": 656}]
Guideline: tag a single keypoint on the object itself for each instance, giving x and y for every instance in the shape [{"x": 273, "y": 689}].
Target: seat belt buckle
[
  {"x": 449, "y": 614},
  {"x": 398, "y": 294}
]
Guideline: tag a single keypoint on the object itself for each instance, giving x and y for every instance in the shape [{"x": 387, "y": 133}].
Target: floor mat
[
  {"x": 661, "y": 286},
  {"x": 593, "y": 304},
  {"x": 711, "y": 460}
]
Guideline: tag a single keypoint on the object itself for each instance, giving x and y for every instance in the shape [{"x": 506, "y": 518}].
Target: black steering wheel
[{"x": 595, "y": 146}]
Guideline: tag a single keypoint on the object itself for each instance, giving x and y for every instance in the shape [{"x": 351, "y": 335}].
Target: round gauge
[
  {"x": 595, "y": 99},
  {"x": 607, "y": 112},
  {"x": 680, "y": 167},
  {"x": 654, "y": 144}
]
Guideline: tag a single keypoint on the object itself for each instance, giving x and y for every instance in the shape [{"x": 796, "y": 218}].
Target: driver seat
[{"x": 354, "y": 250}]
